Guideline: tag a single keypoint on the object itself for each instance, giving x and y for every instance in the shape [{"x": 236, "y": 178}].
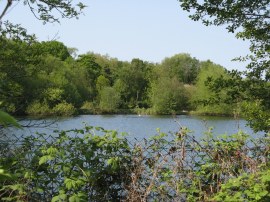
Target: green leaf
[
  {"x": 78, "y": 197},
  {"x": 60, "y": 197},
  {"x": 4, "y": 175},
  {"x": 70, "y": 183},
  {"x": 74, "y": 198},
  {"x": 52, "y": 151},
  {"x": 6, "y": 119},
  {"x": 44, "y": 159}
]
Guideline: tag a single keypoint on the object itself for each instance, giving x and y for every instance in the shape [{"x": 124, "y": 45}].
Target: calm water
[{"x": 144, "y": 126}]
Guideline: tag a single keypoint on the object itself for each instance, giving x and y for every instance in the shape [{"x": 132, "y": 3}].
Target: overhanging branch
[{"x": 9, "y": 3}]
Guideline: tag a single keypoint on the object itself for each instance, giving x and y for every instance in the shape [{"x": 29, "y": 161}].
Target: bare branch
[{"x": 9, "y": 3}]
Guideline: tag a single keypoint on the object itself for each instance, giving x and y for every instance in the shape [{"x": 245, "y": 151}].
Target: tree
[
  {"x": 205, "y": 100},
  {"x": 93, "y": 70},
  {"x": 183, "y": 66},
  {"x": 109, "y": 100},
  {"x": 102, "y": 82},
  {"x": 168, "y": 96},
  {"x": 54, "y": 48},
  {"x": 132, "y": 76},
  {"x": 109, "y": 66},
  {"x": 250, "y": 20},
  {"x": 48, "y": 11},
  {"x": 17, "y": 64}
]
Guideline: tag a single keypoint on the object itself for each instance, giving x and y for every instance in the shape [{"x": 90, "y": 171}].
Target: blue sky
[{"x": 147, "y": 29}]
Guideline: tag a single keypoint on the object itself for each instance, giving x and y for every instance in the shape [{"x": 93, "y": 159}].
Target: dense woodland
[{"x": 48, "y": 78}]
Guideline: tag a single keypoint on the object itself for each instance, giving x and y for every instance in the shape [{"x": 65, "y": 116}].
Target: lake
[{"x": 142, "y": 126}]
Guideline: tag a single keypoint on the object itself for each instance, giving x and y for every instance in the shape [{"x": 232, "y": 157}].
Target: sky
[{"x": 147, "y": 29}]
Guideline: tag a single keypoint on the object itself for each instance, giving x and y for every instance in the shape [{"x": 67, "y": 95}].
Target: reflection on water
[{"x": 143, "y": 126}]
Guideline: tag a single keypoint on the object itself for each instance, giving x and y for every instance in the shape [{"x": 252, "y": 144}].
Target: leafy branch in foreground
[
  {"x": 45, "y": 10},
  {"x": 6, "y": 120},
  {"x": 250, "y": 20}
]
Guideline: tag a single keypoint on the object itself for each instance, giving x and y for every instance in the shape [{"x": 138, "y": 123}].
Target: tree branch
[{"x": 9, "y": 3}]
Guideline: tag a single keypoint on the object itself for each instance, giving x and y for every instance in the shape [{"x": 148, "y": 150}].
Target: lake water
[{"x": 144, "y": 126}]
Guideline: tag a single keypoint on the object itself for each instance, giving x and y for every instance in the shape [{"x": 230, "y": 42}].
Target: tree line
[{"x": 47, "y": 78}]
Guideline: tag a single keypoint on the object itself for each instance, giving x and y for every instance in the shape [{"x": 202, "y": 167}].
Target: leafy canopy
[{"x": 250, "y": 20}]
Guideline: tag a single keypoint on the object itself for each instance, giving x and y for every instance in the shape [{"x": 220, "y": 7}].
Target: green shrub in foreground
[
  {"x": 94, "y": 164},
  {"x": 247, "y": 187},
  {"x": 75, "y": 165}
]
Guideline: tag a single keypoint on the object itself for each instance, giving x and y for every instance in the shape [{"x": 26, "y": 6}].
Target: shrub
[
  {"x": 64, "y": 109},
  {"x": 94, "y": 164},
  {"x": 215, "y": 109},
  {"x": 188, "y": 169},
  {"x": 254, "y": 187},
  {"x": 143, "y": 111},
  {"x": 37, "y": 108},
  {"x": 88, "y": 107},
  {"x": 74, "y": 165}
]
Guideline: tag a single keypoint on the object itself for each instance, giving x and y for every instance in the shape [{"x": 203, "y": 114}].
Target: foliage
[
  {"x": 93, "y": 69},
  {"x": 21, "y": 55},
  {"x": 40, "y": 75},
  {"x": 88, "y": 107},
  {"x": 53, "y": 95},
  {"x": 4, "y": 175},
  {"x": 109, "y": 100},
  {"x": 255, "y": 111},
  {"x": 7, "y": 120},
  {"x": 38, "y": 109},
  {"x": 182, "y": 66},
  {"x": 43, "y": 109},
  {"x": 76, "y": 165},
  {"x": 204, "y": 98},
  {"x": 63, "y": 109},
  {"x": 15, "y": 32},
  {"x": 250, "y": 21},
  {"x": 132, "y": 82},
  {"x": 102, "y": 82},
  {"x": 47, "y": 11},
  {"x": 94, "y": 164},
  {"x": 254, "y": 187},
  {"x": 13, "y": 56},
  {"x": 252, "y": 16},
  {"x": 187, "y": 169},
  {"x": 168, "y": 96},
  {"x": 53, "y": 48}
]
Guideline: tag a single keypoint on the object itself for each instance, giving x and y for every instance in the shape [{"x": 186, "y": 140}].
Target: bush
[
  {"x": 215, "y": 110},
  {"x": 143, "y": 111},
  {"x": 94, "y": 164},
  {"x": 88, "y": 107},
  {"x": 38, "y": 109},
  {"x": 168, "y": 96},
  {"x": 74, "y": 165},
  {"x": 254, "y": 187},
  {"x": 63, "y": 109}
]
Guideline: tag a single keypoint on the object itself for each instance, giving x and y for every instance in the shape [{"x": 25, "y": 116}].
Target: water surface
[{"x": 144, "y": 126}]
